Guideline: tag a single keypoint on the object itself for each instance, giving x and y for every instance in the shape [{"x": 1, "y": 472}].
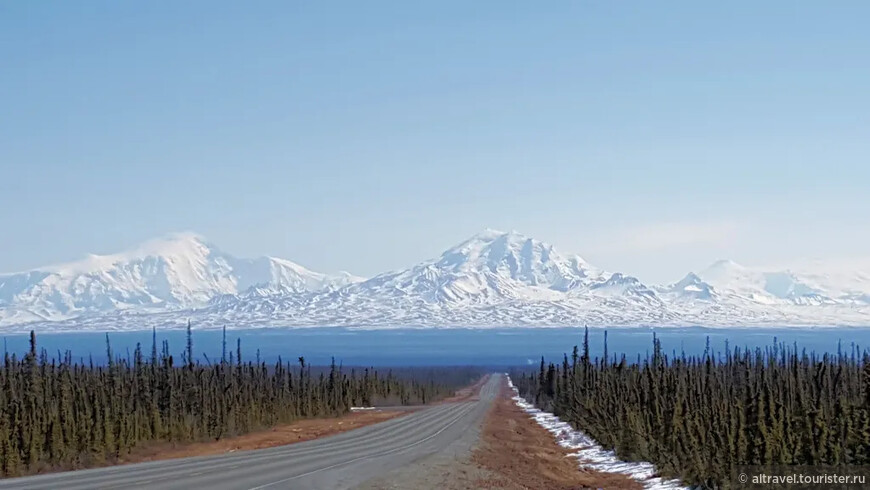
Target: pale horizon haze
[{"x": 651, "y": 139}]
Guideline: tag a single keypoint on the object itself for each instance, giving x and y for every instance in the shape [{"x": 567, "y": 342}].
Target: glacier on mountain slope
[{"x": 493, "y": 279}]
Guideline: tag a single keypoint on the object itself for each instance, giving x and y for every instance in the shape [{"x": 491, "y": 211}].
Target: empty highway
[{"x": 336, "y": 462}]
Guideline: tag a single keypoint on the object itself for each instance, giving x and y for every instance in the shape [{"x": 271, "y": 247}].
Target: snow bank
[{"x": 590, "y": 454}]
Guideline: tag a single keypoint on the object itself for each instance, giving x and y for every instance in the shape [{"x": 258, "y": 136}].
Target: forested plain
[
  {"x": 699, "y": 417},
  {"x": 56, "y": 413}
]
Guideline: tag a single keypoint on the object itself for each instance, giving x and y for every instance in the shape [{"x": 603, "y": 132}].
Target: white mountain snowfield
[
  {"x": 170, "y": 274},
  {"x": 493, "y": 279}
]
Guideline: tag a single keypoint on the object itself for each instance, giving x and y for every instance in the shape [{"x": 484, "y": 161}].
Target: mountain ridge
[
  {"x": 493, "y": 278},
  {"x": 178, "y": 271}
]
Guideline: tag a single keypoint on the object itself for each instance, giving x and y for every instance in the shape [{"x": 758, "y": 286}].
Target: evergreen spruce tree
[{"x": 696, "y": 418}]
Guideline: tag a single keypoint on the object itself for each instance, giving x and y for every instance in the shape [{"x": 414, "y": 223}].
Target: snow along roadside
[{"x": 591, "y": 455}]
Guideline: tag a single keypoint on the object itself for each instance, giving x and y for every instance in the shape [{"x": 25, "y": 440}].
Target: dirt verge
[
  {"x": 302, "y": 430},
  {"x": 520, "y": 454},
  {"x": 280, "y": 435}
]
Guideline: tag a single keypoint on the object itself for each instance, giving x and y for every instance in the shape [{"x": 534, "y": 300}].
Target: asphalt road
[{"x": 336, "y": 462}]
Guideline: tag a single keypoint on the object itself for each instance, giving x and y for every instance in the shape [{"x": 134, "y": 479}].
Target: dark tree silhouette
[
  {"x": 61, "y": 414},
  {"x": 697, "y": 417}
]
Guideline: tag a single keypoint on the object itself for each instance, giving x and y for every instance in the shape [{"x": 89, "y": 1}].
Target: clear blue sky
[{"x": 649, "y": 137}]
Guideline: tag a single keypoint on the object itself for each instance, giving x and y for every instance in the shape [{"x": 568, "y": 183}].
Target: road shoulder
[
  {"x": 507, "y": 451},
  {"x": 520, "y": 454},
  {"x": 279, "y": 435}
]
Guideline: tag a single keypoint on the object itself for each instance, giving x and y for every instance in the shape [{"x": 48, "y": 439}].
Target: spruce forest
[
  {"x": 698, "y": 417},
  {"x": 60, "y": 414}
]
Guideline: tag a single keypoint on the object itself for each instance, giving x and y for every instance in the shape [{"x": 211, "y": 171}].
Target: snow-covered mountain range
[
  {"x": 178, "y": 272},
  {"x": 491, "y": 279}
]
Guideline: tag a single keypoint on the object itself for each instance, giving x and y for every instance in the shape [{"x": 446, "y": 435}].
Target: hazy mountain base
[{"x": 513, "y": 314}]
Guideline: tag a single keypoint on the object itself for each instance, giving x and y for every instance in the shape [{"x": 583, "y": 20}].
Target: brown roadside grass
[
  {"x": 520, "y": 454},
  {"x": 280, "y": 435},
  {"x": 302, "y": 430}
]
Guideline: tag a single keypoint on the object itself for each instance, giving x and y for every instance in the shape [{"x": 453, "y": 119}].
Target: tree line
[
  {"x": 697, "y": 417},
  {"x": 59, "y": 414}
]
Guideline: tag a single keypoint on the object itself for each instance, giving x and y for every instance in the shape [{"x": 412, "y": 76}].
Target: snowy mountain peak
[
  {"x": 691, "y": 278},
  {"x": 486, "y": 241},
  {"x": 765, "y": 285},
  {"x": 176, "y": 246},
  {"x": 512, "y": 256},
  {"x": 494, "y": 268},
  {"x": 492, "y": 278},
  {"x": 491, "y": 246},
  {"x": 171, "y": 244},
  {"x": 173, "y": 272},
  {"x": 690, "y": 287},
  {"x": 489, "y": 234},
  {"x": 722, "y": 266}
]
